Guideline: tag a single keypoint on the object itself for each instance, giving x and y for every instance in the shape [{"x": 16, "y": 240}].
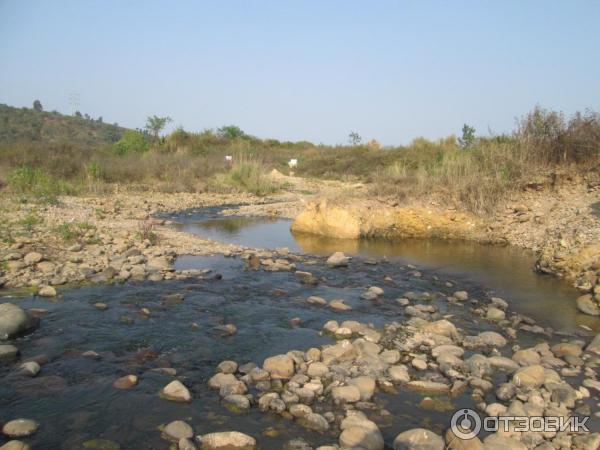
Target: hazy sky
[{"x": 315, "y": 70}]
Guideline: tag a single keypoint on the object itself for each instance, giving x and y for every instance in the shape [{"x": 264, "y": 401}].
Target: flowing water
[{"x": 73, "y": 398}]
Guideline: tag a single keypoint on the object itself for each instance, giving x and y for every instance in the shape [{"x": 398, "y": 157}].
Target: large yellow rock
[{"x": 355, "y": 220}]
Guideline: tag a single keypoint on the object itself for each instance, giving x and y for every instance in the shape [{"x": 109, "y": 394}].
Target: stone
[
  {"x": 499, "y": 442},
  {"x": 186, "y": 444},
  {"x": 345, "y": 394},
  {"x": 503, "y": 363},
  {"x": 317, "y": 370},
  {"x": 587, "y": 305},
  {"x": 20, "y": 428},
  {"x": 30, "y": 368},
  {"x": 361, "y": 437},
  {"x": 418, "y": 439},
  {"x": 175, "y": 391},
  {"x": 492, "y": 339},
  {"x": 399, "y": 374},
  {"x": 442, "y": 327},
  {"x": 338, "y": 259},
  {"x": 495, "y": 314},
  {"x": 47, "y": 291},
  {"x": 176, "y": 430},
  {"x": 526, "y": 357},
  {"x": 280, "y": 367},
  {"x": 15, "y": 445},
  {"x": 33, "y": 258},
  {"x": 339, "y": 305},
  {"x": 315, "y": 300},
  {"x": 566, "y": 349},
  {"x": 365, "y": 385},
  {"x": 461, "y": 296},
  {"x": 13, "y": 321},
  {"x": 428, "y": 386},
  {"x": 529, "y": 377},
  {"x": 314, "y": 422},
  {"x": 453, "y": 442},
  {"x": 236, "y": 403},
  {"x": 8, "y": 352},
  {"x": 447, "y": 350},
  {"x": 126, "y": 382},
  {"x": 594, "y": 346},
  {"x": 220, "y": 379},
  {"x": 227, "y": 440},
  {"x": 227, "y": 367}
]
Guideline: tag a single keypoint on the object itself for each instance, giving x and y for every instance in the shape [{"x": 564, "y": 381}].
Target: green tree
[
  {"x": 155, "y": 124},
  {"x": 131, "y": 142},
  {"x": 354, "y": 138},
  {"x": 37, "y": 105},
  {"x": 230, "y": 132},
  {"x": 468, "y": 137}
]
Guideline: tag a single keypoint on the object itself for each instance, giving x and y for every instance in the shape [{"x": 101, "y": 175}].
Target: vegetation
[{"x": 39, "y": 166}]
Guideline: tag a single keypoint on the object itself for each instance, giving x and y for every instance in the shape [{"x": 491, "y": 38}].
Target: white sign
[
  {"x": 293, "y": 162},
  {"x": 228, "y": 158}
]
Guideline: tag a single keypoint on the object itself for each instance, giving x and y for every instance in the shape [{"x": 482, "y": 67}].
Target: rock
[
  {"x": 315, "y": 300},
  {"x": 529, "y": 377},
  {"x": 339, "y": 305},
  {"x": 441, "y": 327},
  {"x": 526, "y": 357},
  {"x": 100, "y": 306},
  {"x": 177, "y": 430},
  {"x": 331, "y": 326},
  {"x": 361, "y": 437},
  {"x": 365, "y": 385},
  {"x": 317, "y": 370},
  {"x": 495, "y": 314},
  {"x": 227, "y": 440},
  {"x": 30, "y": 368},
  {"x": 126, "y": 382},
  {"x": 492, "y": 339},
  {"x": 227, "y": 367},
  {"x": 13, "y": 321},
  {"x": 455, "y": 443},
  {"x": 503, "y": 363},
  {"x": 20, "y": 428},
  {"x": 499, "y": 442},
  {"x": 281, "y": 367},
  {"x": 418, "y": 439},
  {"x": 399, "y": 374},
  {"x": 587, "y": 305},
  {"x": 447, "y": 349},
  {"x": 338, "y": 259},
  {"x": 594, "y": 346},
  {"x": 176, "y": 392},
  {"x": 15, "y": 445},
  {"x": 566, "y": 349},
  {"x": 33, "y": 258},
  {"x": 428, "y": 386},
  {"x": 8, "y": 352},
  {"x": 186, "y": 444},
  {"x": 306, "y": 278},
  {"x": 236, "y": 403},
  {"x": 345, "y": 394},
  {"x": 47, "y": 291},
  {"x": 419, "y": 363},
  {"x": 343, "y": 333},
  {"x": 461, "y": 296},
  {"x": 314, "y": 422}
]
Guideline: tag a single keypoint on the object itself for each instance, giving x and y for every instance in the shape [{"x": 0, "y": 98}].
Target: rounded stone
[{"x": 20, "y": 428}]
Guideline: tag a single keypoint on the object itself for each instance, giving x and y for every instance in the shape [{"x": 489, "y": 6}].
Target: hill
[{"x": 26, "y": 125}]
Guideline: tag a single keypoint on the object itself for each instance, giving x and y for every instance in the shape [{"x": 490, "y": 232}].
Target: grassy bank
[{"x": 471, "y": 172}]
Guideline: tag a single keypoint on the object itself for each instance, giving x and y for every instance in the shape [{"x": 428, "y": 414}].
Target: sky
[{"x": 304, "y": 70}]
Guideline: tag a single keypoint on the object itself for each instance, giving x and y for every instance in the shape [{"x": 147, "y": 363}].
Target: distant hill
[{"x": 30, "y": 125}]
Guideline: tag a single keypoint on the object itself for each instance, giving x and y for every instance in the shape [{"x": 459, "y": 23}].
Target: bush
[
  {"x": 35, "y": 183},
  {"x": 132, "y": 142}
]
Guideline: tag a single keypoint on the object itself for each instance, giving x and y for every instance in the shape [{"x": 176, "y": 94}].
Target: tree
[
  {"x": 230, "y": 132},
  {"x": 354, "y": 138},
  {"x": 468, "y": 137},
  {"x": 37, "y": 105},
  {"x": 155, "y": 124},
  {"x": 78, "y": 114},
  {"x": 131, "y": 142}
]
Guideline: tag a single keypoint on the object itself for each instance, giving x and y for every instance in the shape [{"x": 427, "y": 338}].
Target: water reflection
[{"x": 506, "y": 271}]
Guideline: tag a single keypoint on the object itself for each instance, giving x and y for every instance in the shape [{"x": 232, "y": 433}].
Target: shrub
[{"x": 132, "y": 142}]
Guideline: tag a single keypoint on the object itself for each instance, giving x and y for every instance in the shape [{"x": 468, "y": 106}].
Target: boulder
[
  {"x": 587, "y": 305},
  {"x": 227, "y": 440},
  {"x": 594, "y": 346},
  {"x": 345, "y": 394},
  {"x": 177, "y": 430},
  {"x": 280, "y": 367},
  {"x": 338, "y": 259},
  {"x": 418, "y": 439},
  {"x": 530, "y": 376},
  {"x": 20, "y": 428},
  {"x": 8, "y": 352},
  {"x": 47, "y": 291},
  {"x": 13, "y": 321},
  {"x": 176, "y": 392}
]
